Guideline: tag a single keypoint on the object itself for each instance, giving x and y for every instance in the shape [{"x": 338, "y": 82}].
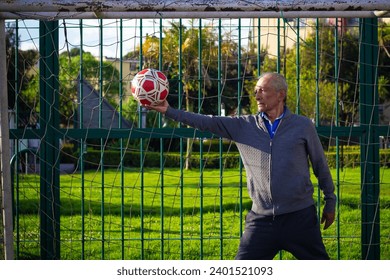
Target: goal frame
[{"x": 52, "y": 10}]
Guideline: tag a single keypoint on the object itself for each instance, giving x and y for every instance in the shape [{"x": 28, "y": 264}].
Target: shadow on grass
[{"x": 70, "y": 207}]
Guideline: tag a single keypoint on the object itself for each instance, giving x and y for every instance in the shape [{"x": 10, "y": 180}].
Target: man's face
[{"x": 267, "y": 97}]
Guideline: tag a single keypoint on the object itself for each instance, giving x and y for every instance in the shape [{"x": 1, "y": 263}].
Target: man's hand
[
  {"x": 328, "y": 218},
  {"x": 162, "y": 107}
]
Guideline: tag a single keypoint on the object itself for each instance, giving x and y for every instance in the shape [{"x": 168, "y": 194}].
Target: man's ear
[{"x": 282, "y": 95}]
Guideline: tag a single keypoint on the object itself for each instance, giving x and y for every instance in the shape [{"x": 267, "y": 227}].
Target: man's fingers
[{"x": 328, "y": 218}]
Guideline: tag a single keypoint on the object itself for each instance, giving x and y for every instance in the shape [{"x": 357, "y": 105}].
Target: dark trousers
[{"x": 298, "y": 233}]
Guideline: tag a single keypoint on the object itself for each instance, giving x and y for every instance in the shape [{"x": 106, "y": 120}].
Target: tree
[
  {"x": 68, "y": 77},
  {"x": 303, "y": 100},
  {"x": 199, "y": 68},
  {"x": 384, "y": 62},
  {"x": 21, "y": 73},
  {"x": 95, "y": 73},
  {"x": 191, "y": 66}
]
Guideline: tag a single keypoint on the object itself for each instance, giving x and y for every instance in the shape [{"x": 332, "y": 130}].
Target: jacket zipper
[
  {"x": 270, "y": 165},
  {"x": 270, "y": 144}
]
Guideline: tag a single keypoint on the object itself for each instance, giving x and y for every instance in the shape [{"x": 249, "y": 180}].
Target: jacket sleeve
[
  {"x": 321, "y": 169},
  {"x": 225, "y": 127}
]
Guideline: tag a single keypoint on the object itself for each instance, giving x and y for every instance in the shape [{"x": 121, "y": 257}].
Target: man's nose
[{"x": 258, "y": 94}]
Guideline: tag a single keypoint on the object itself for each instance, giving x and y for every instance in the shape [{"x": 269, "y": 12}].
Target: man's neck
[{"x": 274, "y": 114}]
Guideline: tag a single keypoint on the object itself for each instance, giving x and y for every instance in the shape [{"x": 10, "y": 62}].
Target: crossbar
[{"x": 46, "y": 9}]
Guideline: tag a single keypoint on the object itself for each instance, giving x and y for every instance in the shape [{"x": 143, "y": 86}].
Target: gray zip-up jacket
[{"x": 278, "y": 169}]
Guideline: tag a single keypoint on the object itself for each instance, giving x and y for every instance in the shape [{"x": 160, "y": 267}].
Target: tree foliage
[
  {"x": 208, "y": 66},
  {"x": 21, "y": 76},
  {"x": 196, "y": 71},
  {"x": 337, "y": 73},
  {"x": 102, "y": 76}
]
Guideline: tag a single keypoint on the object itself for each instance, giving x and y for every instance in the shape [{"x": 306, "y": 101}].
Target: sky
[{"x": 69, "y": 34}]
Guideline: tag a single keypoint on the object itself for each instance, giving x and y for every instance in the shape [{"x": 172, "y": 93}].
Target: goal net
[{"x": 95, "y": 176}]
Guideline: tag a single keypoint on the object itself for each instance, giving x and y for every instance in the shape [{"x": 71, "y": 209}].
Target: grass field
[{"x": 139, "y": 219}]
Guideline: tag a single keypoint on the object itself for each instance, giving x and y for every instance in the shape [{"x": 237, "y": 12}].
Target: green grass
[{"x": 197, "y": 221}]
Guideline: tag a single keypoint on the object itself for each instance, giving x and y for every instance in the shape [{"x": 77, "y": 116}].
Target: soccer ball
[{"x": 150, "y": 87}]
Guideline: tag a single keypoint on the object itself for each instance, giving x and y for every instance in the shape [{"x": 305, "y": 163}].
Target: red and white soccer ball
[{"x": 150, "y": 87}]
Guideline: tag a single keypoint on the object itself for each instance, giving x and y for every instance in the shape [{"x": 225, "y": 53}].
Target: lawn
[{"x": 191, "y": 217}]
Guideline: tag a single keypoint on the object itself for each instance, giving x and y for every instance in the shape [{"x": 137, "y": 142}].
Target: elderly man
[{"x": 275, "y": 146}]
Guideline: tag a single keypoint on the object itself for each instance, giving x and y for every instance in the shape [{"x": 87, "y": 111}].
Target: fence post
[
  {"x": 369, "y": 143},
  {"x": 49, "y": 150}
]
